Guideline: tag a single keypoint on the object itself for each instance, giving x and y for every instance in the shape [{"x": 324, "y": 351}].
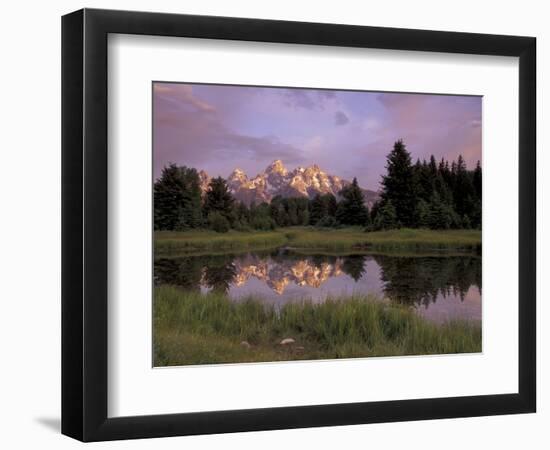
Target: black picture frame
[{"x": 84, "y": 224}]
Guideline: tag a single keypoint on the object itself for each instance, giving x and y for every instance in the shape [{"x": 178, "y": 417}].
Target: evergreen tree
[
  {"x": 292, "y": 213},
  {"x": 190, "y": 212},
  {"x": 243, "y": 215},
  {"x": 331, "y": 204},
  {"x": 219, "y": 199},
  {"x": 276, "y": 210},
  {"x": 423, "y": 180},
  {"x": 374, "y": 211},
  {"x": 463, "y": 189},
  {"x": 442, "y": 189},
  {"x": 422, "y": 212},
  {"x": 260, "y": 217},
  {"x": 282, "y": 216},
  {"x": 433, "y": 166},
  {"x": 441, "y": 215},
  {"x": 240, "y": 217},
  {"x": 386, "y": 218},
  {"x": 322, "y": 206},
  {"x": 177, "y": 199},
  {"x": 399, "y": 185},
  {"x": 327, "y": 222},
  {"x": 476, "y": 215},
  {"x": 352, "y": 209},
  {"x": 303, "y": 216},
  {"x": 302, "y": 204},
  {"x": 445, "y": 172},
  {"x": 477, "y": 180},
  {"x": 318, "y": 210}
]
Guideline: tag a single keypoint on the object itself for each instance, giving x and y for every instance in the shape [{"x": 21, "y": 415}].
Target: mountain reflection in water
[{"x": 439, "y": 287}]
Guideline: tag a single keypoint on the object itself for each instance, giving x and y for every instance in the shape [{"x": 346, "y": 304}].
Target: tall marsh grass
[{"x": 192, "y": 328}]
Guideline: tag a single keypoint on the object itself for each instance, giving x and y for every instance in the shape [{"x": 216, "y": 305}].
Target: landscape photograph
[{"x": 307, "y": 224}]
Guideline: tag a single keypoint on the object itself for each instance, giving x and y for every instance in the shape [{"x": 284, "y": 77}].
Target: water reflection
[
  {"x": 440, "y": 288},
  {"x": 421, "y": 280}
]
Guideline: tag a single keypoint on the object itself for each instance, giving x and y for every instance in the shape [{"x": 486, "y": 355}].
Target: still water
[{"x": 439, "y": 288}]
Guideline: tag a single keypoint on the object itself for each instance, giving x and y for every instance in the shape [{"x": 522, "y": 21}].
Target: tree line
[{"x": 426, "y": 194}]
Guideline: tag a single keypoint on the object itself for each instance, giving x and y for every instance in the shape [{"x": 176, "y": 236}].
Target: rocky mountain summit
[{"x": 277, "y": 180}]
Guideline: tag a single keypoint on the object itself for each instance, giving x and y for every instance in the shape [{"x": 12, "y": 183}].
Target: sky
[{"x": 218, "y": 128}]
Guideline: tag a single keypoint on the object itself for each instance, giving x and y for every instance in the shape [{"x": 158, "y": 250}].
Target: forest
[{"x": 425, "y": 194}]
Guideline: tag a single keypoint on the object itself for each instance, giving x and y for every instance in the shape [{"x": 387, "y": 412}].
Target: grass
[
  {"x": 204, "y": 241},
  {"x": 191, "y": 328},
  {"x": 402, "y": 239},
  {"x": 335, "y": 240}
]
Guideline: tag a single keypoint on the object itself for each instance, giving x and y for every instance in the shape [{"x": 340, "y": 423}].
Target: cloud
[
  {"x": 475, "y": 123},
  {"x": 182, "y": 93},
  {"x": 340, "y": 118},
  {"x": 326, "y": 94},
  {"x": 442, "y": 125},
  {"x": 189, "y": 131},
  {"x": 307, "y": 98},
  {"x": 313, "y": 144},
  {"x": 298, "y": 98},
  {"x": 371, "y": 124}
]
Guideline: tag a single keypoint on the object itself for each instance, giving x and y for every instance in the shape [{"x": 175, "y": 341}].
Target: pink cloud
[{"x": 182, "y": 93}]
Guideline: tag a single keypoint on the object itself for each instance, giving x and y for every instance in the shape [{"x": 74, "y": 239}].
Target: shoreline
[{"x": 309, "y": 238}]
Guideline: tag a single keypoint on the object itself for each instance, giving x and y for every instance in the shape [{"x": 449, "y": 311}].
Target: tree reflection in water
[
  {"x": 405, "y": 280},
  {"x": 420, "y": 280}
]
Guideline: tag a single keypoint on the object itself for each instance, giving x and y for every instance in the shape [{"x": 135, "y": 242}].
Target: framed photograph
[{"x": 273, "y": 224}]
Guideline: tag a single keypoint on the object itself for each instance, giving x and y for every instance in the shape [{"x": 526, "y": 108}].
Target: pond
[{"x": 439, "y": 287}]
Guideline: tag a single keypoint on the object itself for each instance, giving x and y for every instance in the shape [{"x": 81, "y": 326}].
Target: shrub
[
  {"x": 217, "y": 222},
  {"x": 386, "y": 219},
  {"x": 466, "y": 223},
  {"x": 263, "y": 223},
  {"x": 422, "y": 214},
  {"x": 326, "y": 222}
]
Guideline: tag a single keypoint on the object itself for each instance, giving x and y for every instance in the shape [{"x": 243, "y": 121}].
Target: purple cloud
[
  {"x": 340, "y": 118},
  {"x": 189, "y": 131},
  {"x": 307, "y": 98}
]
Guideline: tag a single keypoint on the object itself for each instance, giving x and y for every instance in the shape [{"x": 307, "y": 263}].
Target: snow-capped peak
[
  {"x": 276, "y": 166},
  {"x": 238, "y": 174}
]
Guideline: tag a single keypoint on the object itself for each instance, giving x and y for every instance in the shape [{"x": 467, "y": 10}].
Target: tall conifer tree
[
  {"x": 399, "y": 185},
  {"x": 477, "y": 180},
  {"x": 218, "y": 198},
  {"x": 352, "y": 209}
]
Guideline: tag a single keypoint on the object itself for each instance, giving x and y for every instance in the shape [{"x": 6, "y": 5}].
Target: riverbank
[
  {"x": 191, "y": 328},
  {"x": 344, "y": 239},
  {"x": 177, "y": 243}
]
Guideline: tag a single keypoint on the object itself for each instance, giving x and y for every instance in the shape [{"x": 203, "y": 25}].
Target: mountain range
[{"x": 277, "y": 180}]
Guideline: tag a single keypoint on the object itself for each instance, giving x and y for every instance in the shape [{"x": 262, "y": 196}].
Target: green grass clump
[{"x": 192, "y": 328}]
